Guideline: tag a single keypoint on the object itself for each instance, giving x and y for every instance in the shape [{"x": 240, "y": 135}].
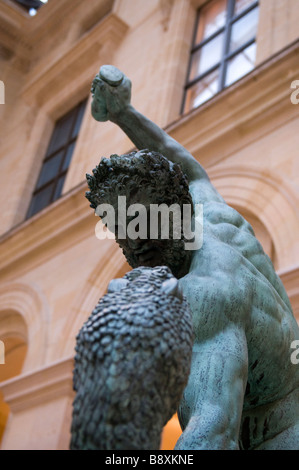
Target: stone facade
[{"x": 52, "y": 267}]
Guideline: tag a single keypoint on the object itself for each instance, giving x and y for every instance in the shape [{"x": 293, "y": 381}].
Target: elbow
[{"x": 212, "y": 432}]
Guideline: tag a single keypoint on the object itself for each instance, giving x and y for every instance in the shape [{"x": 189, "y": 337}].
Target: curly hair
[{"x": 163, "y": 180}]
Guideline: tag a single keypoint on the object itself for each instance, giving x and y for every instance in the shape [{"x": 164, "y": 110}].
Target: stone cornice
[
  {"x": 86, "y": 53},
  {"x": 21, "y": 34},
  {"x": 34, "y": 388},
  {"x": 67, "y": 221}
]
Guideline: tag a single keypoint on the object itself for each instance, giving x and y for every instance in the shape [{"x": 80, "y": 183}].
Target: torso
[{"x": 230, "y": 247}]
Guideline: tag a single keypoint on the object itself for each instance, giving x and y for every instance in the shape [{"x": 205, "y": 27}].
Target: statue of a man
[{"x": 243, "y": 390}]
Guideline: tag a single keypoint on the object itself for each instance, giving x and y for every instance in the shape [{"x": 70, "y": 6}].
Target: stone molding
[
  {"x": 79, "y": 60},
  {"x": 62, "y": 221},
  {"x": 166, "y": 8},
  {"x": 48, "y": 383},
  {"x": 31, "y": 304}
]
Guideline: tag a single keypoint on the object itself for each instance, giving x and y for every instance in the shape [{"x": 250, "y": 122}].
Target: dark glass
[
  {"x": 41, "y": 199},
  {"x": 50, "y": 169},
  {"x": 68, "y": 156},
  {"x": 61, "y": 133},
  {"x": 79, "y": 118},
  {"x": 58, "y": 188}
]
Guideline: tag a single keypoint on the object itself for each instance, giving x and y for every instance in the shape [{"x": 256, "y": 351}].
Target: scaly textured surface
[{"x": 132, "y": 363}]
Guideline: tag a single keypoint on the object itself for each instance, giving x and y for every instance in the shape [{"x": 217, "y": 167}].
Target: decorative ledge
[
  {"x": 47, "y": 79},
  {"x": 67, "y": 220},
  {"x": 40, "y": 386}
]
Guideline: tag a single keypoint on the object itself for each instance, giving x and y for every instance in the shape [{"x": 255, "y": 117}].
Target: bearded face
[
  {"x": 158, "y": 251},
  {"x": 151, "y": 253},
  {"x": 144, "y": 178}
]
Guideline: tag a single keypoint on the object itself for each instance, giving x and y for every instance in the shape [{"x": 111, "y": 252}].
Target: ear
[
  {"x": 117, "y": 285},
  {"x": 171, "y": 287}
]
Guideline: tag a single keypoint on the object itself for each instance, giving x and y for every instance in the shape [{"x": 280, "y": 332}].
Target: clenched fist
[{"x": 111, "y": 92}]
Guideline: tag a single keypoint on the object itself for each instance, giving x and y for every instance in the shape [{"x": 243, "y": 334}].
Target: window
[
  {"x": 58, "y": 156},
  {"x": 223, "y": 50}
]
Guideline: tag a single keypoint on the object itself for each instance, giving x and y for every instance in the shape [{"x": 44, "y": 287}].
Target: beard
[{"x": 170, "y": 253}]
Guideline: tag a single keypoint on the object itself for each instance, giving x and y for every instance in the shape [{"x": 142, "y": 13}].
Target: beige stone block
[{"x": 40, "y": 405}]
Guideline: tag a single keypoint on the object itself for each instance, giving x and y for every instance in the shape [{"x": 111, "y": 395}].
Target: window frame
[
  {"x": 226, "y": 55},
  {"x": 61, "y": 172}
]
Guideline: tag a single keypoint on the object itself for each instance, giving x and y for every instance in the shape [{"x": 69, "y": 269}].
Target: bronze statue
[{"x": 242, "y": 391}]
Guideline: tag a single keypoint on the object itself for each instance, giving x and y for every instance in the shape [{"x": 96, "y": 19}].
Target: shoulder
[{"x": 203, "y": 191}]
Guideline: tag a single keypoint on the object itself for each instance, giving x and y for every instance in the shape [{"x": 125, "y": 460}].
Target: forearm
[
  {"x": 142, "y": 132},
  {"x": 145, "y": 134},
  {"x": 111, "y": 101},
  {"x": 211, "y": 408}
]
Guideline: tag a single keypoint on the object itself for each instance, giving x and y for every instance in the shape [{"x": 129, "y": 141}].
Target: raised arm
[{"x": 111, "y": 101}]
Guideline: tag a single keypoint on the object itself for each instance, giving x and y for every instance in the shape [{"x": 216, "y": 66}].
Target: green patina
[{"x": 242, "y": 391}]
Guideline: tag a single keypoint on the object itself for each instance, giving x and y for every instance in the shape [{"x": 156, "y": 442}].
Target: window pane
[
  {"x": 244, "y": 29},
  {"x": 40, "y": 200},
  {"x": 50, "y": 169},
  {"x": 240, "y": 64},
  {"x": 59, "y": 186},
  {"x": 61, "y": 132},
  {"x": 79, "y": 119},
  {"x": 202, "y": 91},
  {"x": 240, "y": 5},
  {"x": 206, "y": 57},
  {"x": 211, "y": 18},
  {"x": 68, "y": 157}
]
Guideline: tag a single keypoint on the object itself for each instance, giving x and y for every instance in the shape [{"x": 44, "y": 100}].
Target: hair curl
[{"x": 163, "y": 180}]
